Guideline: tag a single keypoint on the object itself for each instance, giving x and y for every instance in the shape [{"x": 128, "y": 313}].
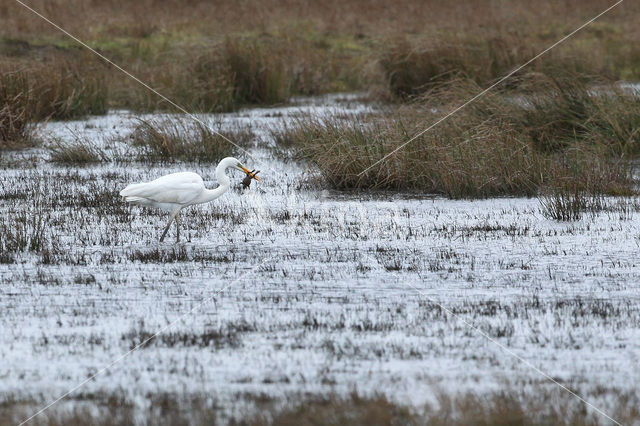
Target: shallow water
[{"x": 287, "y": 291}]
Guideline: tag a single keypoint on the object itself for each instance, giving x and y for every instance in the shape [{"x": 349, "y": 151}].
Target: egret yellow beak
[{"x": 248, "y": 172}]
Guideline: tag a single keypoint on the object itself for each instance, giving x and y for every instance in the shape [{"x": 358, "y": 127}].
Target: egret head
[{"x": 238, "y": 165}]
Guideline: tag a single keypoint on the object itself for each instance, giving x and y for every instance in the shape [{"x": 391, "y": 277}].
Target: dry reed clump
[
  {"x": 452, "y": 160},
  {"x": 79, "y": 151},
  {"x": 264, "y": 52},
  {"x": 225, "y": 77},
  {"x": 496, "y": 408},
  {"x": 567, "y": 204},
  {"x": 172, "y": 139},
  {"x": 17, "y": 125},
  {"x": 198, "y": 82},
  {"x": 56, "y": 87},
  {"x": 258, "y": 72},
  {"x": 557, "y": 111},
  {"x": 579, "y": 181},
  {"x": 413, "y": 66},
  {"x": 70, "y": 89},
  {"x": 498, "y": 145},
  {"x": 228, "y": 75},
  {"x": 236, "y": 72},
  {"x": 538, "y": 406}
]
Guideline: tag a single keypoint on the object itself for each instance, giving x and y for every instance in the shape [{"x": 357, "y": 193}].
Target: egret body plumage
[{"x": 176, "y": 191}]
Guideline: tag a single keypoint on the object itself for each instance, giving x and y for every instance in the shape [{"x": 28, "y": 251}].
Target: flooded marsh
[{"x": 286, "y": 292}]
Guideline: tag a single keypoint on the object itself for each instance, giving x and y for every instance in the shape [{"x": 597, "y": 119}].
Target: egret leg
[
  {"x": 173, "y": 215},
  {"x": 178, "y": 228}
]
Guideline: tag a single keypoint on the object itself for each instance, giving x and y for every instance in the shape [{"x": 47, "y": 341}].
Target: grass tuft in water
[
  {"x": 175, "y": 139},
  {"x": 502, "y": 144},
  {"x": 79, "y": 151}
]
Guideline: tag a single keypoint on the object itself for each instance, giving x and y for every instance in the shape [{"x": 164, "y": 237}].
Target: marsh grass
[
  {"x": 70, "y": 89},
  {"x": 495, "y": 408},
  {"x": 572, "y": 202},
  {"x": 79, "y": 151},
  {"x": 57, "y": 87},
  {"x": 412, "y": 66},
  {"x": 232, "y": 73},
  {"x": 16, "y": 111},
  {"x": 202, "y": 76},
  {"x": 173, "y": 139},
  {"x": 16, "y": 128},
  {"x": 214, "y": 338},
  {"x": 556, "y": 130},
  {"x": 566, "y": 205},
  {"x": 199, "y": 82},
  {"x": 264, "y": 52},
  {"x": 258, "y": 72},
  {"x": 453, "y": 161},
  {"x": 226, "y": 334},
  {"x": 24, "y": 232},
  {"x": 180, "y": 254},
  {"x": 559, "y": 111}
]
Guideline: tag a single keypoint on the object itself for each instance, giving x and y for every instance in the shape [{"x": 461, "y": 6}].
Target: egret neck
[{"x": 223, "y": 185}]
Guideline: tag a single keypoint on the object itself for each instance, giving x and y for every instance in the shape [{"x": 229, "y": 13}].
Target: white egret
[{"x": 176, "y": 191}]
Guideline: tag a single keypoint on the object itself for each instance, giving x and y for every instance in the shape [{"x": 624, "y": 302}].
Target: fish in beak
[{"x": 251, "y": 173}]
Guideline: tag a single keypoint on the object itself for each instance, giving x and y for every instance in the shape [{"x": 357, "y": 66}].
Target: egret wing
[{"x": 176, "y": 188}]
